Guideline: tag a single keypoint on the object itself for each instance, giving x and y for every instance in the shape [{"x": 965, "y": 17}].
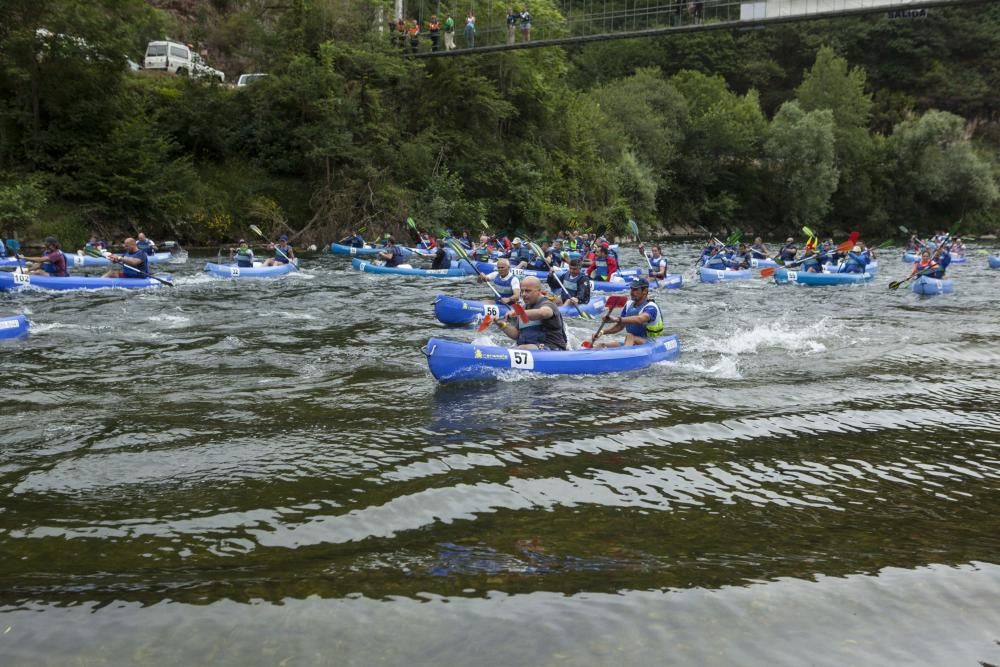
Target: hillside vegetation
[{"x": 861, "y": 124}]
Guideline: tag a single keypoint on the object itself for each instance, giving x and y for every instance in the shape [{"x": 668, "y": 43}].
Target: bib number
[
  {"x": 354, "y": 251},
  {"x": 793, "y": 276},
  {"x": 518, "y": 273},
  {"x": 22, "y": 278},
  {"x": 491, "y": 310},
  {"x": 78, "y": 260},
  {"x": 234, "y": 272},
  {"x": 721, "y": 275},
  {"x": 522, "y": 359}
]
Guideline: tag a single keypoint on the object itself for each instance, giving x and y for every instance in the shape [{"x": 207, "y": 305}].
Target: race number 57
[{"x": 522, "y": 359}]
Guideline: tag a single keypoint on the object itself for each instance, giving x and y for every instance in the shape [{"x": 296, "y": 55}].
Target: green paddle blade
[
  {"x": 904, "y": 229},
  {"x": 256, "y": 230},
  {"x": 411, "y": 224},
  {"x": 634, "y": 227},
  {"x": 885, "y": 244}
]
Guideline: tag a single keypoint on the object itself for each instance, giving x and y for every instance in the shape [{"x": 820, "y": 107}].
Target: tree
[{"x": 799, "y": 148}]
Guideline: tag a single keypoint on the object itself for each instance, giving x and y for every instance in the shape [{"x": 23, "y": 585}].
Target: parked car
[
  {"x": 247, "y": 79},
  {"x": 177, "y": 58}
]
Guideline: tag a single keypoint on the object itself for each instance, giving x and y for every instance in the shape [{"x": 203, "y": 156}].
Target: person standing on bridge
[
  {"x": 414, "y": 36},
  {"x": 449, "y": 33},
  {"x": 434, "y": 31},
  {"x": 512, "y": 20},
  {"x": 470, "y": 30},
  {"x": 526, "y": 24}
]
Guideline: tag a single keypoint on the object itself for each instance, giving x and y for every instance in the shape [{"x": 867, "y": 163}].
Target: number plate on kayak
[
  {"x": 522, "y": 359},
  {"x": 793, "y": 276},
  {"x": 234, "y": 272},
  {"x": 9, "y": 324},
  {"x": 354, "y": 251},
  {"x": 22, "y": 279},
  {"x": 78, "y": 260},
  {"x": 492, "y": 311}
]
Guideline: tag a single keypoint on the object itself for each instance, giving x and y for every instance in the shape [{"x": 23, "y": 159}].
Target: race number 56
[{"x": 491, "y": 310}]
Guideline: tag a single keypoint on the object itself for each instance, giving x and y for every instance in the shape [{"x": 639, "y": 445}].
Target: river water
[{"x": 266, "y": 473}]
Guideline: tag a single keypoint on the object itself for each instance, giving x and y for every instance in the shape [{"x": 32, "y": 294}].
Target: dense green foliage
[{"x": 852, "y": 124}]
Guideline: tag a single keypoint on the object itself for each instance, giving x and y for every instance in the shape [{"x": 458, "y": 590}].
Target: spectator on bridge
[
  {"x": 470, "y": 30},
  {"x": 399, "y": 34},
  {"x": 414, "y": 36},
  {"x": 526, "y": 24},
  {"x": 434, "y": 31},
  {"x": 512, "y": 20},
  {"x": 449, "y": 33},
  {"x": 697, "y": 11}
]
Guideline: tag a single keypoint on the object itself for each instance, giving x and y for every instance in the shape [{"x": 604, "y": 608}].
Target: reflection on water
[{"x": 814, "y": 481}]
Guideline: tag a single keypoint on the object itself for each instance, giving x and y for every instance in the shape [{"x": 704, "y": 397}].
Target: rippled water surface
[{"x": 266, "y": 473}]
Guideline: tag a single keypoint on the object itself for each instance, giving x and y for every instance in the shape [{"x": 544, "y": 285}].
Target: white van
[{"x": 177, "y": 58}]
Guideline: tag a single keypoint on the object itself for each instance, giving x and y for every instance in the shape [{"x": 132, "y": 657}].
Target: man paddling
[
  {"x": 575, "y": 284},
  {"x": 544, "y": 328},
  {"x": 506, "y": 283},
  {"x": 641, "y": 318},
  {"x": 283, "y": 252},
  {"x": 52, "y": 261},
  {"x": 134, "y": 262},
  {"x": 657, "y": 263}
]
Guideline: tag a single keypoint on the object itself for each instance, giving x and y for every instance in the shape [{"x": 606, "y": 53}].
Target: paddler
[
  {"x": 657, "y": 263},
  {"x": 242, "y": 255},
  {"x": 52, "y": 262},
  {"x": 283, "y": 252},
  {"x": 603, "y": 266},
  {"x": 505, "y": 282},
  {"x": 641, "y": 318},
  {"x": 544, "y": 329},
  {"x": 575, "y": 282},
  {"x": 134, "y": 262}
]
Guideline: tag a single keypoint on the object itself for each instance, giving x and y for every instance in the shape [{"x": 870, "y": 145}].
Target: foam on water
[{"x": 764, "y": 335}]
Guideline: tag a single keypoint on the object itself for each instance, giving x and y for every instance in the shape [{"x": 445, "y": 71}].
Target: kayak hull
[
  {"x": 994, "y": 261},
  {"x": 723, "y": 275},
  {"x": 81, "y": 261},
  {"x": 784, "y": 276},
  {"x": 10, "y": 281},
  {"x": 369, "y": 251},
  {"x": 763, "y": 264},
  {"x": 452, "y": 361},
  {"x": 462, "y": 312},
  {"x": 258, "y": 270},
  {"x": 490, "y": 267},
  {"x": 932, "y": 286},
  {"x": 368, "y": 267},
  {"x": 13, "y": 326}
]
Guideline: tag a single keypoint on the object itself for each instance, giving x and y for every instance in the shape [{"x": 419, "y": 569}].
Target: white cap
[{"x": 516, "y": 240}]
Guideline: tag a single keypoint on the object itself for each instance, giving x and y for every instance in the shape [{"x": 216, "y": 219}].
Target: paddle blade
[
  {"x": 521, "y": 312},
  {"x": 13, "y": 244},
  {"x": 768, "y": 272},
  {"x": 845, "y": 246},
  {"x": 412, "y": 225},
  {"x": 895, "y": 284},
  {"x": 808, "y": 232},
  {"x": 904, "y": 229},
  {"x": 485, "y": 324},
  {"x": 586, "y": 345},
  {"x": 256, "y": 230},
  {"x": 634, "y": 227},
  {"x": 613, "y": 302}
]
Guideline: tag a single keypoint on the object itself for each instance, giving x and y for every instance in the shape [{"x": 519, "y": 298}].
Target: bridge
[{"x": 568, "y": 22}]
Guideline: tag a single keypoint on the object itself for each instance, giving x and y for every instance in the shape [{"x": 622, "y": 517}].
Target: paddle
[
  {"x": 538, "y": 251},
  {"x": 460, "y": 251},
  {"x": 94, "y": 252},
  {"x": 610, "y": 303},
  {"x": 256, "y": 230},
  {"x": 896, "y": 284},
  {"x": 635, "y": 232},
  {"x": 15, "y": 247},
  {"x": 485, "y": 324}
]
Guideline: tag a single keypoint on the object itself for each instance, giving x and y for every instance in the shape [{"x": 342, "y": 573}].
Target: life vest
[
  {"x": 652, "y": 328},
  {"x": 433, "y": 26},
  {"x": 548, "y": 332},
  {"x": 505, "y": 286},
  {"x": 141, "y": 271},
  {"x": 244, "y": 258}
]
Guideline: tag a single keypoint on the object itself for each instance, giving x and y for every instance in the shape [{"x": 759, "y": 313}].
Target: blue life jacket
[
  {"x": 810, "y": 264},
  {"x": 465, "y": 243},
  {"x": 548, "y": 332},
  {"x": 601, "y": 270},
  {"x": 356, "y": 241},
  {"x": 244, "y": 260},
  {"x": 655, "y": 264},
  {"x": 482, "y": 254},
  {"x": 278, "y": 257},
  {"x": 787, "y": 253},
  {"x": 758, "y": 251},
  {"x": 652, "y": 328},
  {"x": 855, "y": 263},
  {"x": 578, "y": 287},
  {"x": 504, "y": 285},
  {"x": 715, "y": 262},
  {"x": 140, "y": 271},
  {"x": 146, "y": 246},
  {"x": 519, "y": 255},
  {"x": 51, "y": 268},
  {"x": 397, "y": 256}
]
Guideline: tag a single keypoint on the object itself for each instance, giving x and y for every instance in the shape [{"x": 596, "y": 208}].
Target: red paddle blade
[
  {"x": 853, "y": 237},
  {"x": 768, "y": 272},
  {"x": 845, "y": 246},
  {"x": 586, "y": 344},
  {"x": 484, "y": 325},
  {"x": 613, "y": 302},
  {"x": 521, "y": 312}
]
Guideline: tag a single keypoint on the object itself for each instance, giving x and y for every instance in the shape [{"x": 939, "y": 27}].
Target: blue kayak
[
  {"x": 450, "y": 361},
  {"x": 368, "y": 267},
  {"x": 673, "y": 281},
  {"x": 763, "y": 263},
  {"x": 13, "y": 326},
  {"x": 723, "y": 275},
  {"x": 258, "y": 270},
  {"x": 13, "y": 281},
  {"x": 910, "y": 258},
  {"x": 785, "y": 276},
  {"x": 994, "y": 261},
  {"x": 370, "y": 251},
  {"x": 452, "y": 310},
  {"x": 490, "y": 267},
  {"x": 931, "y": 286},
  {"x": 81, "y": 260}
]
